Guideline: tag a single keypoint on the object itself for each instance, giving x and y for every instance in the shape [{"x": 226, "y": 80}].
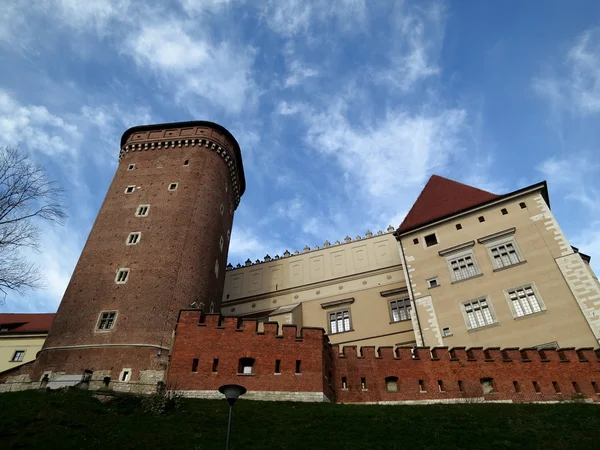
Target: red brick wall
[
  {"x": 225, "y": 341},
  {"x": 469, "y": 366}
]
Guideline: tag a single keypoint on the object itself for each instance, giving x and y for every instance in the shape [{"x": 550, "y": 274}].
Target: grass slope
[{"x": 76, "y": 420}]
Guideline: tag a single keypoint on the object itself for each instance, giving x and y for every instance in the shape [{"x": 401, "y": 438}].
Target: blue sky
[{"x": 343, "y": 109}]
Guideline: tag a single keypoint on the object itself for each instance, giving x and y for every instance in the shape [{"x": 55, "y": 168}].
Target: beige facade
[
  {"x": 11, "y": 347},
  {"x": 500, "y": 273},
  {"x": 350, "y": 283}
]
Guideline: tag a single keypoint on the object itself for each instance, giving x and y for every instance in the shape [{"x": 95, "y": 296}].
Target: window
[
  {"x": 536, "y": 386},
  {"x": 463, "y": 267},
  {"x": 195, "y": 365},
  {"x": 516, "y": 386},
  {"x": 400, "y": 310},
  {"x": 142, "y": 211},
  {"x": 363, "y": 383},
  {"x": 433, "y": 282},
  {"x": 522, "y": 205},
  {"x": 107, "y": 320},
  {"x": 415, "y": 241},
  {"x": 122, "y": 276},
  {"x": 173, "y": 186},
  {"x": 344, "y": 383},
  {"x": 131, "y": 167},
  {"x": 129, "y": 189},
  {"x": 277, "y": 366},
  {"x": 339, "y": 322},
  {"x": 215, "y": 365},
  {"x": 524, "y": 300},
  {"x": 125, "y": 375},
  {"x": 446, "y": 332},
  {"x": 556, "y": 387},
  {"x": 441, "y": 385},
  {"x": 487, "y": 384},
  {"x": 246, "y": 366},
  {"x": 221, "y": 242},
  {"x": 478, "y": 313},
  {"x": 504, "y": 255},
  {"x": 422, "y": 386},
  {"x": 458, "y": 226},
  {"x": 186, "y": 162},
  {"x": 504, "y": 211},
  {"x": 481, "y": 219},
  {"x": 222, "y": 209},
  {"x": 18, "y": 356},
  {"x": 298, "y": 366},
  {"x": 430, "y": 239},
  {"x": 391, "y": 384},
  {"x": 133, "y": 238}
]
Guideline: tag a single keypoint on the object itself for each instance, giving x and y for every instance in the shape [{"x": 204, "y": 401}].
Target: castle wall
[{"x": 210, "y": 337}]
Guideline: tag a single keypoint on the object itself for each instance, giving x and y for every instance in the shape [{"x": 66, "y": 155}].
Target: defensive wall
[{"x": 291, "y": 364}]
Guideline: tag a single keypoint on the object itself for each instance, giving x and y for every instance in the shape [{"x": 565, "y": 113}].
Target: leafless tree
[{"x": 27, "y": 197}]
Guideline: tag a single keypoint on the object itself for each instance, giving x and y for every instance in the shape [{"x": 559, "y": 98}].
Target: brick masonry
[{"x": 423, "y": 375}]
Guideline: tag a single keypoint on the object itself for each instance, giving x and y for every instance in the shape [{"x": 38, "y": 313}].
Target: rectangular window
[
  {"x": 430, "y": 239},
  {"x": 463, "y": 267},
  {"x": 18, "y": 356},
  {"x": 298, "y": 366},
  {"x": 344, "y": 383},
  {"x": 446, "y": 332},
  {"x": 433, "y": 282},
  {"x": 339, "y": 322},
  {"x": 133, "y": 238},
  {"x": 122, "y": 276},
  {"x": 504, "y": 255},
  {"x": 400, "y": 310},
  {"x": 277, "y": 366},
  {"x": 524, "y": 300},
  {"x": 142, "y": 211},
  {"x": 478, "y": 313},
  {"x": 363, "y": 383},
  {"x": 107, "y": 320},
  {"x": 215, "y": 365},
  {"x": 195, "y": 365}
]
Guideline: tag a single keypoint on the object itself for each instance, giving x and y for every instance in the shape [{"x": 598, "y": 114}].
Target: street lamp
[{"x": 231, "y": 393}]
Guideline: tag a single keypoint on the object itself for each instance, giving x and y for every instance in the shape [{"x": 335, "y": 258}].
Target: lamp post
[{"x": 231, "y": 393}]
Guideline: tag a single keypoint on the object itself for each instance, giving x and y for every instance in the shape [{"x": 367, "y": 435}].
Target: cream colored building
[
  {"x": 21, "y": 337},
  {"x": 483, "y": 270}
]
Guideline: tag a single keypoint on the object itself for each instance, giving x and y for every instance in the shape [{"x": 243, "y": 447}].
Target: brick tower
[{"x": 159, "y": 244}]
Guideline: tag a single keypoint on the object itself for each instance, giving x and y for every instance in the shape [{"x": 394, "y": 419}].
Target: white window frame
[
  {"x": 127, "y": 376},
  {"x": 120, "y": 271},
  {"x": 346, "y": 322},
  {"x": 129, "y": 237},
  {"x": 138, "y": 211},
  {"x": 18, "y": 356},
  {"x": 462, "y": 255},
  {"x": 503, "y": 238},
  {"x": 100, "y": 319},
  {"x": 431, "y": 280},
  {"x": 172, "y": 186},
  {"x": 403, "y": 307},
  {"x": 482, "y": 320},
  {"x": 520, "y": 311},
  {"x": 131, "y": 167},
  {"x": 130, "y": 189}
]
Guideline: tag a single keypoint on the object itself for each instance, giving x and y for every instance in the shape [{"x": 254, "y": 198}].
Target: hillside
[{"x": 77, "y": 420}]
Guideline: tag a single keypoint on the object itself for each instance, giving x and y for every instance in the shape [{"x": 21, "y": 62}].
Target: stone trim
[
  {"x": 70, "y": 347},
  {"x": 457, "y": 248},
  {"x": 346, "y": 301},
  {"x": 498, "y": 235},
  {"x": 261, "y": 395}
]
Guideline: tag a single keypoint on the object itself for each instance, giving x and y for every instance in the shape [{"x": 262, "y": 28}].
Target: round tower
[{"x": 159, "y": 244}]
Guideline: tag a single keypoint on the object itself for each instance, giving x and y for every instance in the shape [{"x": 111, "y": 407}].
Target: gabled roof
[
  {"x": 441, "y": 198},
  {"x": 25, "y": 323}
]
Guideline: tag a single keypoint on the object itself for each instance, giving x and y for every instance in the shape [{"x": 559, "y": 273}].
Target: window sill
[
  {"x": 400, "y": 321},
  {"x": 491, "y": 325},
  {"x": 511, "y": 266},
  {"x": 467, "y": 279},
  {"x": 527, "y": 316},
  {"x": 433, "y": 287},
  {"x": 340, "y": 332},
  {"x": 277, "y": 373},
  {"x": 246, "y": 374},
  {"x": 297, "y": 373},
  {"x": 447, "y": 335}
]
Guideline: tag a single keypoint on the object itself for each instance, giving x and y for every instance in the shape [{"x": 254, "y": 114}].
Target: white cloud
[
  {"x": 575, "y": 87},
  {"x": 197, "y": 68},
  {"x": 298, "y": 73}
]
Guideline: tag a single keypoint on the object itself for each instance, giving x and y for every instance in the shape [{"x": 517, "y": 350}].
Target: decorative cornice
[
  {"x": 498, "y": 235},
  {"x": 179, "y": 143},
  {"x": 456, "y": 248},
  {"x": 346, "y": 301}
]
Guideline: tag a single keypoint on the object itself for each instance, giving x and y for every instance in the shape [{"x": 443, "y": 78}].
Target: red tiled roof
[
  {"x": 25, "y": 323},
  {"x": 442, "y": 197}
]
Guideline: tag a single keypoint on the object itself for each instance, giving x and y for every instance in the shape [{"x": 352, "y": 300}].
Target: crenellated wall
[
  {"x": 210, "y": 337},
  {"x": 422, "y": 375},
  {"x": 440, "y": 374}
]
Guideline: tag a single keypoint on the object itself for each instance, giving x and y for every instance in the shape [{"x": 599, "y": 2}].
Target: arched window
[
  {"x": 246, "y": 366},
  {"x": 391, "y": 384}
]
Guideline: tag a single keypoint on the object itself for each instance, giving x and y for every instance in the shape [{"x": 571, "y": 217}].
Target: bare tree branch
[{"x": 26, "y": 197}]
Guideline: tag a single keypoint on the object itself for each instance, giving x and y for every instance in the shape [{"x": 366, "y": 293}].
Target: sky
[{"x": 343, "y": 109}]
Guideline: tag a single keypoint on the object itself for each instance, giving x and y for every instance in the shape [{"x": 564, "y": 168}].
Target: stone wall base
[{"x": 277, "y": 396}]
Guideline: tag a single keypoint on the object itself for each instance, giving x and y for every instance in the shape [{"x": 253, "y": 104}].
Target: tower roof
[{"x": 440, "y": 198}]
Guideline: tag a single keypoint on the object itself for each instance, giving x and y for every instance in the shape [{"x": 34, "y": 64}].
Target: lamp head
[{"x": 232, "y": 392}]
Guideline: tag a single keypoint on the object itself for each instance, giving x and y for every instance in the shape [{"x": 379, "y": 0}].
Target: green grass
[{"x": 76, "y": 420}]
